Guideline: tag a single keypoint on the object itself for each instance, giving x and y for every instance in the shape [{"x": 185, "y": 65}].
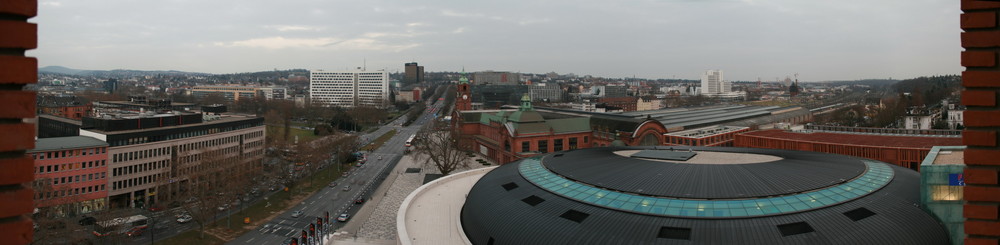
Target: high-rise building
[
  {"x": 712, "y": 82},
  {"x": 546, "y": 92},
  {"x": 349, "y": 88},
  {"x": 111, "y": 85},
  {"x": 496, "y": 78},
  {"x": 414, "y": 73}
]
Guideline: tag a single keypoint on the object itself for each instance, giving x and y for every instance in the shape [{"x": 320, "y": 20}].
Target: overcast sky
[{"x": 747, "y": 39}]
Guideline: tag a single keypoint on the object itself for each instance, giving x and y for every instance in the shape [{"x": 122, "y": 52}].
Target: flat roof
[
  {"x": 429, "y": 215},
  {"x": 66, "y": 143},
  {"x": 707, "y": 131},
  {"x": 855, "y": 139},
  {"x": 224, "y": 119}
]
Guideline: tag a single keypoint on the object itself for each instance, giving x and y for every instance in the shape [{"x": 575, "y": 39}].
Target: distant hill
[
  {"x": 60, "y": 70},
  {"x": 102, "y": 73}
]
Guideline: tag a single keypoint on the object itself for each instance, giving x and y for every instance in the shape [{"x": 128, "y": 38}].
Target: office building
[
  {"x": 70, "y": 175},
  {"x": 713, "y": 83},
  {"x": 546, "y": 92},
  {"x": 414, "y": 73},
  {"x": 683, "y": 195},
  {"x": 155, "y": 156},
  {"x": 496, "y": 78},
  {"x": 236, "y": 92},
  {"x": 349, "y": 88}
]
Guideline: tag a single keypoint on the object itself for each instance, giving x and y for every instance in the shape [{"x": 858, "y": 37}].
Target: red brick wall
[
  {"x": 981, "y": 79},
  {"x": 16, "y": 36}
]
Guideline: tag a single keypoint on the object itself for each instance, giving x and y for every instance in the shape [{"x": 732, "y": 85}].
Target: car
[
  {"x": 137, "y": 231},
  {"x": 181, "y": 214},
  {"x": 358, "y": 164},
  {"x": 297, "y": 213},
  {"x": 379, "y": 157},
  {"x": 87, "y": 220},
  {"x": 359, "y": 200},
  {"x": 224, "y": 207},
  {"x": 347, "y": 188},
  {"x": 156, "y": 208},
  {"x": 266, "y": 228},
  {"x": 344, "y": 217},
  {"x": 332, "y": 184},
  {"x": 184, "y": 219}
]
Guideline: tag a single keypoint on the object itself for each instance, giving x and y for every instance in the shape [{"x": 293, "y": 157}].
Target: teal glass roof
[{"x": 876, "y": 176}]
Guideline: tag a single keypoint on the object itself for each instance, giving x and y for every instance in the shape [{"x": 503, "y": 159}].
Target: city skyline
[{"x": 675, "y": 39}]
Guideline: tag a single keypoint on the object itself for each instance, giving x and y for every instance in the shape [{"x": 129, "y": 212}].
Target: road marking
[
  {"x": 251, "y": 239},
  {"x": 290, "y": 233}
]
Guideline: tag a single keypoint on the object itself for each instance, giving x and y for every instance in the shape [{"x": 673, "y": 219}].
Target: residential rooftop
[{"x": 66, "y": 143}]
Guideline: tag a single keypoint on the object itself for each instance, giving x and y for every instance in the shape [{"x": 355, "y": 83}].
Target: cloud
[
  {"x": 51, "y": 3},
  {"x": 459, "y": 30},
  {"x": 318, "y": 43},
  {"x": 293, "y": 28}
]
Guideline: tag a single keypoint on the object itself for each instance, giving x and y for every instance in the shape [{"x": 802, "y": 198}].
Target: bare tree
[
  {"x": 52, "y": 207},
  {"x": 439, "y": 147}
]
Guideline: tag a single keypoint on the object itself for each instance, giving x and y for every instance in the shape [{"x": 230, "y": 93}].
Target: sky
[{"x": 747, "y": 39}]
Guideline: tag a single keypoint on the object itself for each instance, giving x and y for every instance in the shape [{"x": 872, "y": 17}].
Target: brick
[
  {"x": 980, "y": 241},
  {"x": 17, "y": 170},
  {"x": 981, "y": 78},
  {"x": 17, "y": 231},
  {"x": 979, "y": 20},
  {"x": 981, "y": 118},
  {"x": 982, "y": 157},
  {"x": 17, "y": 104},
  {"x": 18, "y": 34},
  {"x": 979, "y": 138},
  {"x": 18, "y": 70},
  {"x": 980, "y": 211},
  {"x": 981, "y": 39},
  {"x": 17, "y": 136},
  {"x": 980, "y": 176},
  {"x": 16, "y": 202},
  {"x": 978, "y": 4},
  {"x": 979, "y": 59},
  {"x": 982, "y": 193},
  {"x": 986, "y": 228},
  {"x": 979, "y": 98},
  {"x": 27, "y": 8}
]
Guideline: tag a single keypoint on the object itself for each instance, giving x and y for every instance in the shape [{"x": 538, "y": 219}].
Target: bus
[
  {"x": 121, "y": 225},
  {"x": 409, "y": 141}
]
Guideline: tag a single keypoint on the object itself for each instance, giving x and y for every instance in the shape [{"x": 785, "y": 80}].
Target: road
[{"x": 336, "y": 200}]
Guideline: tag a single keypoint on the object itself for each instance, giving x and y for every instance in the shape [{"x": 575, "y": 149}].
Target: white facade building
[
  {"x": 349, "y": 88},
  {"x": 713, "y": 83}
]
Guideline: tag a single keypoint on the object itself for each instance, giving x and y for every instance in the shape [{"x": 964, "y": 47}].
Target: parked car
[
  {"x": 347, "y": 188},
  {"x": 137, "y": 231},
  {"x": 224, "y": 207},
  {"x": 344, "y": 217},
  {"x": 87, "y": 220},
  {"x": 184, "y": 219},
  {"x": 297, "y": 213}
]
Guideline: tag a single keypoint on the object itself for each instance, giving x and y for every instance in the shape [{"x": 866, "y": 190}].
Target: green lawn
[
  {"x": 379, "y": 141},
  {"x": 304, "y": 135}
]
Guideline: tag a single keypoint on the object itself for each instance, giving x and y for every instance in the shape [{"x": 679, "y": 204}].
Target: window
[
  {"x": 525, "y": 146},
  {"x": 509, "y": 186},
  {"x": 572, "y": 143},
  {"x": 575, "y": 216},
  {"x": 558, "y": 145},
  {"x": 795, "y": 228},
  {"x": 946, "y": 193},
  {"x": 533, "y": 200},
  {"x": 543, "y": 146},
  {"x": 859, "y": 214},
  {"x": 674, "y": 233},
  {"x": 585, "y": 139}
]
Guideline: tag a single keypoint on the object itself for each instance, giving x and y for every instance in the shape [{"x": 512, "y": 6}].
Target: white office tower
[
  {"x": 349, "y": 88},
  {"x": 712, "y": 83}
]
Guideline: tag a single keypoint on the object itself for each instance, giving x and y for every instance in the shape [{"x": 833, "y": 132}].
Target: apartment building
[
  {"x": 349, "y": 88},
  {"x": 70, "y": 175}
]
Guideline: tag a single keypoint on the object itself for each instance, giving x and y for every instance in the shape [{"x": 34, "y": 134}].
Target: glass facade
[{"x": 876, "y": 176}]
